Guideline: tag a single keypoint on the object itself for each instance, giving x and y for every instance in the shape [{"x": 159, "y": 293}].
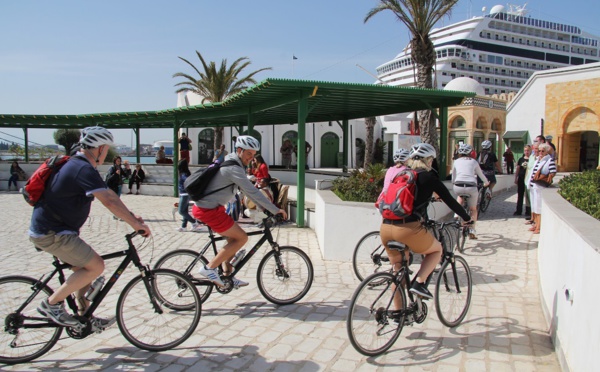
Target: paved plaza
[{"x": 504, "y": 329}]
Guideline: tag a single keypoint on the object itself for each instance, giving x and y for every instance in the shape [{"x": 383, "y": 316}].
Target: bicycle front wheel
[
  {"x": 285, "y": 275},
  {"x": 147, "y": 310},
  {"x": 184, "y": 261},
  {"x": 24, "y": 335},
  {"x": 373, "y": 323},
  {"x": 369, "y": 255},
  {"x": 453, "y": 292}
]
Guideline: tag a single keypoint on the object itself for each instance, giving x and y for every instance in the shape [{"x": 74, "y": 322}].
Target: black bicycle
[
  {"x": 462, "y": 232},
  {"x": 382, "y": 305},
  {"x": 370, "y": 256},
  {"x": 484, "y": 198},
  {"x": 150, "y": 314},
  {"x": 285, "y": 274}
]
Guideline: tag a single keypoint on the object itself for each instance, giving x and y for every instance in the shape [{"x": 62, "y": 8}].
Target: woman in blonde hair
[
  {"x": 409, "y": 230},
  {"x": 545, "y": 164}
]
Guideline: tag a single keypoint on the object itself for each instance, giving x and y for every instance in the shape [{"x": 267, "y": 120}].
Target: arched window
[
  {"x": 458, "y": 122},
  {"x": 480, "y": 123}
]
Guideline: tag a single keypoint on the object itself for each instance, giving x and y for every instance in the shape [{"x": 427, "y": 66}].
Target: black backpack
[{"x": 196, "y": 184}]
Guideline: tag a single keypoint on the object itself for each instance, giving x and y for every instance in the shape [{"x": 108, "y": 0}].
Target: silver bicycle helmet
[
  {"x": 92, "y": 137},
  {"x": 465, "y": 149},
  {"x": 486, "y": 145},
  {"x": 422, "y": 150},
  {"x": 401, "y": 155},
  {"x": 247, "y": 143}
]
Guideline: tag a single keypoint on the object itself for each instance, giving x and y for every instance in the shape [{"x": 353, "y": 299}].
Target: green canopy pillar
[
  {"x": 136, "y": 130},
  {"x": 26, "y": 139},
  {"x": 175, "y": 157},
  {"x": 345, "y": 143},
  {"x": 443, "y": 119},
  {"x": 301, "y": 159}
]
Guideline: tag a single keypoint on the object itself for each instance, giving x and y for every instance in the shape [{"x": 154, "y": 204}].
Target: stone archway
[{"x": 579, "y": 145}]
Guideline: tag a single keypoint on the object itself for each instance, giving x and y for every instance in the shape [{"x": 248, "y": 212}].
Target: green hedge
[
  {"x": 583, "y": 191},
  {"x": 361, "y": 186}
]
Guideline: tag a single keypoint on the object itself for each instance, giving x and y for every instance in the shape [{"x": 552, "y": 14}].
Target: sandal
[
  {"x": 532, "y": 228},
  {"x": 529, "y": 222}
]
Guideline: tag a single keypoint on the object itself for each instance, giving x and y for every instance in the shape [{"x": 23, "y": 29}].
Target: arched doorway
[
  {"x": 360, "y": 152},
  {"x": 330, "y": 146},
  {"x": 578, "y": 149},
  {"x": 256, "y": 135},
  {"x": 206, "y": 138}
]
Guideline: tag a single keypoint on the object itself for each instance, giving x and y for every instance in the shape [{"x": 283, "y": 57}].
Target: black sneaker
[{"x": 421, "y": 290}]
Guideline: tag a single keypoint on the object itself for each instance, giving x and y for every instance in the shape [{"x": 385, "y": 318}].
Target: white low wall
[
  {"x": 569, "y": 272},
  {"x": 339, "y": 224}
]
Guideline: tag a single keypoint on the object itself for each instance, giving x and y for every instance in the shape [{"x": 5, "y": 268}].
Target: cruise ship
[{"x": 500, "y": 50}]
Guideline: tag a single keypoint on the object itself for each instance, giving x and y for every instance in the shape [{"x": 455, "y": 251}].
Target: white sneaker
[
  {"x": 181, "y": 229},
  {"x": 212, "y": 275},
  {"x": 472, "y": 234},
  {"x": 196, "y": 227},
  {"x": 237, "y": 283}
]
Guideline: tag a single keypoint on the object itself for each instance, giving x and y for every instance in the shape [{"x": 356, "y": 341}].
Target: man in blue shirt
[{"x": 63, "y": 209}]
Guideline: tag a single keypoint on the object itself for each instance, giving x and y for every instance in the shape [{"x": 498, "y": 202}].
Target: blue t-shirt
[{"x": 67, "y": 200}]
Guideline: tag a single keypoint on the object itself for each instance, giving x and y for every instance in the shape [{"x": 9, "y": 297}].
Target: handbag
[{"x": 542, "y": 179}]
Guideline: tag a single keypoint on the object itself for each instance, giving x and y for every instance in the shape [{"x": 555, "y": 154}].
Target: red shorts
[{"x": 216, "y": 218}]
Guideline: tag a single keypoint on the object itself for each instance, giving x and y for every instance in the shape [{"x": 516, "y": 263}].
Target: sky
[{"x": 82, "y": 57}]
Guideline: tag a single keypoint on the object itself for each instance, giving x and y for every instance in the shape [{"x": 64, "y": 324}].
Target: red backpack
[
  {"x": 397, "y": 202},
  {"x": 35, "y": 186}
]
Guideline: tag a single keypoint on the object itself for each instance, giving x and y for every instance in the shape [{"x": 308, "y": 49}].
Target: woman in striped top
[{"x": 548, "y": 167}]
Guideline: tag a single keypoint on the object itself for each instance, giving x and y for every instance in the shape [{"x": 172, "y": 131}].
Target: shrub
[
  {"x": 362, "y": 185},
  {"x": 583, "y": 191}
]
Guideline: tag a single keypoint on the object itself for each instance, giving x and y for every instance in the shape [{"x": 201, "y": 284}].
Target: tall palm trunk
[
  {"x": 423, "y": 53},
  {"x": 370, "y": 125},
  {"x": 218, "y": 137}
]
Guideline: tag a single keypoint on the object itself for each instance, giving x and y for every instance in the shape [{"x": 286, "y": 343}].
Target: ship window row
[
  {"x": 542, "y": 44},
  {"x": 493, "y": 71},
  {"x": 535, "y": 22}
]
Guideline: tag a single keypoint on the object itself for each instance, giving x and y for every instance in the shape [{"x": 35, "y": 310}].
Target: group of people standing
[{"x": 538, "y": 159}]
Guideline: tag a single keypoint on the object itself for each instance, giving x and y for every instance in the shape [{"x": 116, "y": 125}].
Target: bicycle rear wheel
[
  {"x": 369, "y": 255},
  {"x": 147, "y": 311},
  {"x": 371, "y": 325},
  {"x": 24, "y": 335},
  {"x": 462, "y": 234},
  {"x": 453, "y": 291},
  {"x": 285, "y": 276},
  {"x": 486, "y": 198},
  {"x": 182, "y": 260}
]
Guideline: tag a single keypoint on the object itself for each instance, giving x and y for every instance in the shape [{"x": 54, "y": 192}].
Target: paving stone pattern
[{"x": 504, "y": 330}]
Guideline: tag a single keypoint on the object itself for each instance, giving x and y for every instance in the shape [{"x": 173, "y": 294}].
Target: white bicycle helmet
[
  {"x": 92, "y": 137},
  {"x": 401, "y": 155},
  {"x": 422, "y": 150},
  {"x": 465, "y": 149},
  {"x": 247, "y": 143},
  {"x": 486, "y": 145}
]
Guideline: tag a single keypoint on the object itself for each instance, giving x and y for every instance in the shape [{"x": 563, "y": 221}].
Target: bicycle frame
[
  {"x": 266, "y": 236},
  {"x": 131, "y": 255}
]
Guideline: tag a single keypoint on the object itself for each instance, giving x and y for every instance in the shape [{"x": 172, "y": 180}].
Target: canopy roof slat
[{"x": 271, "y": 101}]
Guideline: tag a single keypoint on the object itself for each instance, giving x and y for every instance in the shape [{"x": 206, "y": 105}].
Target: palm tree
[
  {"x": 370, "y": 124},
  {"x": 216, "y": 85},
  {"x": 420, "y": 16}
]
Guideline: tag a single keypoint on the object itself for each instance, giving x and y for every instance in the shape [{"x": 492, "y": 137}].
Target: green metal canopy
[{"x": 272, "y": 101}]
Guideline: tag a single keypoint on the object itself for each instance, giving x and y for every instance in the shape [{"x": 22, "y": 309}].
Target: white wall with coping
[
  {"x": 569, "y": 262},
  {"x": 339, "y": 224}
]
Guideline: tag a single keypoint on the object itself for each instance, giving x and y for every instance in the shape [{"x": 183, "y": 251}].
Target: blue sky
[{"x": 78, "y": 57}]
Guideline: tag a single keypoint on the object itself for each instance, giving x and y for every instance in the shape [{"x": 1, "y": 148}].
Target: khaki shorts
[
  {"x": 69, "y": 248},
  {"x": 413, "y": 234}
]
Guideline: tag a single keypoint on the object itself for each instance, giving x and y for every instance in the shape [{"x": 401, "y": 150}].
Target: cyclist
[
  {"x": 488, "y": 161},
  {"x": 410, "y": 231},
  {"x": 211, "y": 210},
  {"x": 400, "y": 158},
  {"x": 464, "y": 172},
  {"x": 63, "y": 209}
]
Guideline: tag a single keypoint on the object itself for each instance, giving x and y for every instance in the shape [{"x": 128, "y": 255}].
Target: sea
[{"x": 143, "y": 159}]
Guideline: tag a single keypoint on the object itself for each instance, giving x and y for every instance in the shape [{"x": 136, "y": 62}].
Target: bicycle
[
  {"x": 463, "y": 231},
  {"x": 373, "y": 325},
  {"x": 484, "y": 198},
  {"x": 283, "y": 271},
  {"x": 370, "y": 255},
  {"x": 149, "y": 311}
]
